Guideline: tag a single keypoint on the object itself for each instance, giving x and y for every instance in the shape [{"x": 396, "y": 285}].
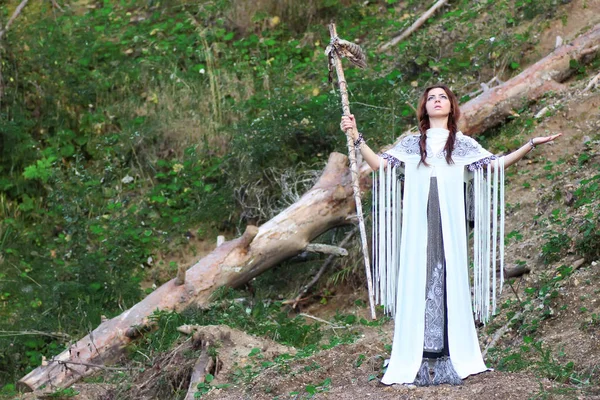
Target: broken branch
[
  {"x": 592, "y": 84},
  {"x": 499, "y": 333},
  {"x": 416, "y": 25},
  {"x": 13, "y": 17},
  {"x": 327, "y": 249}
]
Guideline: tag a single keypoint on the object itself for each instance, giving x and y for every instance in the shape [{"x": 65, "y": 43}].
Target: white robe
[{"x": 401, "y": 275}]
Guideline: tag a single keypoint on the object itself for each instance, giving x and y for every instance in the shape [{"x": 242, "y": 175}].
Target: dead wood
[
  {"x": 16, "y": 13},
  {"x": 577, "y": 264},
  {"x": 516, "y": 271},
  {"x": 326, "y": 249},
  {"x": 229, "y": 345},
  {"x": 592, "y": 84},
  {"x": 203, "y": 366},
  {"x": 180, "y": 278},
  {"x": 499, "y": 333},
  {"x": 416, "y": 25},
  {"x": 3, "y": 32}
]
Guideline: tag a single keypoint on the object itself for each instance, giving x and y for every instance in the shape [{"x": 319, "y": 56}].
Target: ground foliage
[{"x": 128, "y": 126}]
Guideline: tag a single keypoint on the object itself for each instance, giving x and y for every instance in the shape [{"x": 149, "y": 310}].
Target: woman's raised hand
[
  {"x": 544, "y": 139},
  {"x": 349, "y": 123}
]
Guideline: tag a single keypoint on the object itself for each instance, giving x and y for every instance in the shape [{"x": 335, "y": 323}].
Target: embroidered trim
[
  {"x": 462, "y": 147},
  {"x": 479, "y": 164},
  {"x": 393, "y": 161},
  {"x": 410, "y": 144}
]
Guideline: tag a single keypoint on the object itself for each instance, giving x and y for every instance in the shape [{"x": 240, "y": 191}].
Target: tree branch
[
  {"x": 326, "y": 249},
  {"x": 499, "y": 334},
  {"x": 13, "y": 17},
  {"x": 593, "y": 83},
  {"x": 416, "y": 25}
]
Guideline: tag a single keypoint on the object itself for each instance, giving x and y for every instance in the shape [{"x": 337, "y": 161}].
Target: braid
[{"x": 423, "y": 147}]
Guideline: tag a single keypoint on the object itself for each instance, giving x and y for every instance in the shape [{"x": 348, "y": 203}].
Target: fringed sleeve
[
  {"x": 387, "y": 221},
  {"x": 488, "y": 235}
]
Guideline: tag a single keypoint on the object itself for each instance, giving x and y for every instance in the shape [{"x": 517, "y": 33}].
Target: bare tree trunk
[
  {"x": 493, "y": 106},
  {"x": 328, "y": 204}
]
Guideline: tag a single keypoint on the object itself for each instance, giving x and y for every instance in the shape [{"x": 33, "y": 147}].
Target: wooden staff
[{"x": 337, "y": 49}]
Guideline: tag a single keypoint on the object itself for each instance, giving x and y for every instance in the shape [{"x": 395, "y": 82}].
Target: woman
[{"x": 421, "y": 264}]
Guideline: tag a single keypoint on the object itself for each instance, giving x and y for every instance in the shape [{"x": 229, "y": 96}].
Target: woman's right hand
[{"x": 349, "y": 123}]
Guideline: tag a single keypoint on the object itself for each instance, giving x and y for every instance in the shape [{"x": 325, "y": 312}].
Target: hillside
[{"x": 134, "y": 133}]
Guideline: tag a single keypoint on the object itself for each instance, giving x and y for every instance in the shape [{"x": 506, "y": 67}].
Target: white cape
[{"x": 400, "y": 252}]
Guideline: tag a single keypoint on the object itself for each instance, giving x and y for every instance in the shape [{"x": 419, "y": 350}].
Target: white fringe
[
  {"x": 488, "y": 238},
  {"x": 387, "y": 217},
  {"x": 488, "y": 243}
]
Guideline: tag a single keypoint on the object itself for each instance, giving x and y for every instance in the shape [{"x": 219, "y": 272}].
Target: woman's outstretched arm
[
  {"x": 348, "y": 122},
  {"x": 516, "y": 155}
]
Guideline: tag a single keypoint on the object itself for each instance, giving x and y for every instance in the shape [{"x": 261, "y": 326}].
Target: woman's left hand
[{"x": 544, "y": 139}]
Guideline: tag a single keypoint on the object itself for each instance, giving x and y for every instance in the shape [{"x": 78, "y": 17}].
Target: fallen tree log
[
  {"x": 495, "y": 105},
  {"x": 326, "y": 205}
]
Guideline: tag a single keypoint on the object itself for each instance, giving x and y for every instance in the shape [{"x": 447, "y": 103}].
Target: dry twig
[
  {"x": 58, "y": 335},
  {"x": 13, "y": 17},
  {"x": 334, "y": 326},
  {"x": 499, "y": 333},
  {"x": 416, "y": 25},
  {"x": 102, "y": 367},
  {"x": 592, "y": 84}
]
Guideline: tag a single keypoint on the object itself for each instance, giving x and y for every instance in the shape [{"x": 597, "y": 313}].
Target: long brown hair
[{"x": 453, "y": 118}]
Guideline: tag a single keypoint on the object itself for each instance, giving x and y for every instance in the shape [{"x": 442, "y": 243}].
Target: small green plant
[
  {"x": 207, "y": 386},
  {"x": 324, "y": 386},
  {"x": 590, "y": 324},
  {"x": 555, "y": 247},
  {"x": 359, "y": 360}
]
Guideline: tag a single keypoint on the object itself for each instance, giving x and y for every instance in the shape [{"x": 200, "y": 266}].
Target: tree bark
[{"x": 328, "y": 204}]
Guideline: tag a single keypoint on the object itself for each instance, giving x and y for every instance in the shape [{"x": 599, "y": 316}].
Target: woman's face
[{"x": 438, "y": 103}]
